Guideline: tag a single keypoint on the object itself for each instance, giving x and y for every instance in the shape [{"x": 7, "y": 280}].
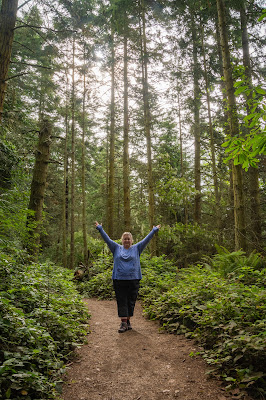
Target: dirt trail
[{"x": 141, "y": 364}]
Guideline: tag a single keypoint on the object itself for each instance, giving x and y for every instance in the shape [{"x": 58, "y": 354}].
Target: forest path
[{"x": 141, "y": 364}]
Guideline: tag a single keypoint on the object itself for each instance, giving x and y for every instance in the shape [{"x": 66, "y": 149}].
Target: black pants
[{"x": 126, "y": 292}]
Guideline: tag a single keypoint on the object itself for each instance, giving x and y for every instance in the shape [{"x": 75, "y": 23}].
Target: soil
[{"x": 142, "y": 364}]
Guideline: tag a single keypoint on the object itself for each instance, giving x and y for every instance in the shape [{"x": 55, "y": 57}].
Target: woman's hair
[{"x": 129, "y": 234}]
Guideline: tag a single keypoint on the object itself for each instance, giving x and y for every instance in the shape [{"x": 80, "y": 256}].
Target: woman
[{"x": 126, "y": 272}]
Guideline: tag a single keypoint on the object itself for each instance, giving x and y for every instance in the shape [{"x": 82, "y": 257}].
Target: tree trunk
[
  {"x": 127, "y": 217},
  {"x": 239, "y": 210},
  {"x": 73, "y": 144},
  {"x": 253, "y": 173},
  {"x": 65, "y": 188},
  {"x": 38, "y": 185},
  {"x": 111, "y": 186},
  {"x": 147, "y": 118},
  {"x": 212, "y": 146},
  {"x": 197, "y": 169},
  {"x": 181, "y": 156},
  {"x": 107, "y": 172},
  {"x": 84, "y": 225},
  {"x": 225, "y": 118},
  {"x": 8, "y": 15}
]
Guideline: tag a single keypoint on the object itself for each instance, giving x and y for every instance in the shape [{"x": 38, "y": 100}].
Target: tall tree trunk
[
  {"x": 126, "y": 187},
  {"x": 212, "y": 146},
  {"x": 181, "y": 155},
  {"x": 8, "y": 15},
  {"x": 111, "y": 185},
  {"x": 84, "y": 225},
  {"x": 239, "y": 209},
  {"x": 253, "y": 173},
  {"x": 197, "y": 169},
  {"x": 73, "y": 145},
  {"x": 37, "y": 192},
  {"x": 107, "y": 171},
  {"x": 225, "y": 118},
  {"x": 65, "y": 188},
  {"x": 147, "y": 118}
]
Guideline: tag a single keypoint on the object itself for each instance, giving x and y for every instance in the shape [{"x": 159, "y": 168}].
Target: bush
[
  {"x": 226, "y": 316},
  {"x": 100, "y": 286},
  {"x": 236, "y": 264},
  {"x": 220, "y": 303},
  {"x": 42, "y": 320},
  {"x": 186, "y": 244}
]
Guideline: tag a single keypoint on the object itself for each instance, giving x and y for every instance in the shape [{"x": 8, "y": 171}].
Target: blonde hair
[{"x": 129, "y": 234}]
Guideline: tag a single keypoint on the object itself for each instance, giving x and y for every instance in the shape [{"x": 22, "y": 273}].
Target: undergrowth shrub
[
  {"x": 159, "y": 275},
  {"x": 225, "y": 313},
  {"x": 100, "y": 286},
  {"x": 237, "y": 264},
  {"x": 100, "y": 282},
  {"x": 186, "y": 244},
  {"x": 220, "y": 303},
  {"x": 42, "y": 319}
]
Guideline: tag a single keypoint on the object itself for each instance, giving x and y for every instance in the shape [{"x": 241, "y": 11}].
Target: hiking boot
[
  {"x": 123, "y": 327},
  {"x": 129, "y": 327}
]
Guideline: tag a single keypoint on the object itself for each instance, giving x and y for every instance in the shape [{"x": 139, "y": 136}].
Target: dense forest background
[
  {"x": 134, "y": 114},
  {"x": 133, "y": 100}
]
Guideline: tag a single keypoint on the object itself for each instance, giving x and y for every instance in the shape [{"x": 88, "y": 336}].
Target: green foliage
[
  {"x": 42, "y": 319},
  {"x": 245, "y": 149},
  {"x": 100, "y": 283},
  {"x": 159, "y": 275},
  {"x": 227, "y": 263},
  {"x": 186, "y": 244},
  {"x": 220, "y": 303},
  {"x": 8, "y": 160},
  {"x": 99, "y": 286},
  {"x": 13, "y": 214},
  {"x": 222, "y": 307},
  {"x": 263, "y": 15},
  {"x": 95, "y": 247}
]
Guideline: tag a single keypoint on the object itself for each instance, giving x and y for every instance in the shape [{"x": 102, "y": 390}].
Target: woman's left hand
[{"x": 157, "y": 226}]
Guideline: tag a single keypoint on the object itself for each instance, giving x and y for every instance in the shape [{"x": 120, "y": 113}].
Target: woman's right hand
[{"x": 96, "y": 223}]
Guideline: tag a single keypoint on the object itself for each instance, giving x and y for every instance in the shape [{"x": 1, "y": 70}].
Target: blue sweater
[{"x": 126, "y": 261}]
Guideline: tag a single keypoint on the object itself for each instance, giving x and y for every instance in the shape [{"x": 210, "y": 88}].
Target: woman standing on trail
[{"x": 126, "y": 272}]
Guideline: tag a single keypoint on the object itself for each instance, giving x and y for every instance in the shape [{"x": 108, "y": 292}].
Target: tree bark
[
  {"x": 196, "y": 129},
  {"x": 8, "y": 15},
  {"x": 65, "y": 188},
  {"x": 239, "y": 209},
  {"x": 225, "y": 118},
  {"x": 253, "y": 173},
  {"x": 181, "y": 155},
  {"x": 84, "y": 224},
  {"x": 73, "y": 174},
  {"x": 147, "y": 118},
  {"x": 111, "y": 183},
  {"x": 38, "y": 186},
  {"x": 212, "y": 146},
  {"x": 126, "y": 186}
]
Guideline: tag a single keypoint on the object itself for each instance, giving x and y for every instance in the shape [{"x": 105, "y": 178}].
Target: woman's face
[{"x": 126, "y": 241}]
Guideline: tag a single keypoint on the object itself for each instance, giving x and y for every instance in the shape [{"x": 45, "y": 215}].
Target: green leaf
[
  {"x": 262, "y": 16},
  {"x": 260, "y": 90},
  {"x": 240, "y": 90}
]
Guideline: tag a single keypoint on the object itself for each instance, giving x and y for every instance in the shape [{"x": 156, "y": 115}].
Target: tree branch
[
  {"x": 23, "y": 45},
  {"x": 41, "y": 27},
  {"x": 15, "y": 76},
  {"x": 22, "y": 5},
  {"x": 31, "y": 65}
]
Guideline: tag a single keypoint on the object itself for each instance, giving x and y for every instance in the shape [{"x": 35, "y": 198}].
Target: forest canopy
[{"x": 132, "y": 113}]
